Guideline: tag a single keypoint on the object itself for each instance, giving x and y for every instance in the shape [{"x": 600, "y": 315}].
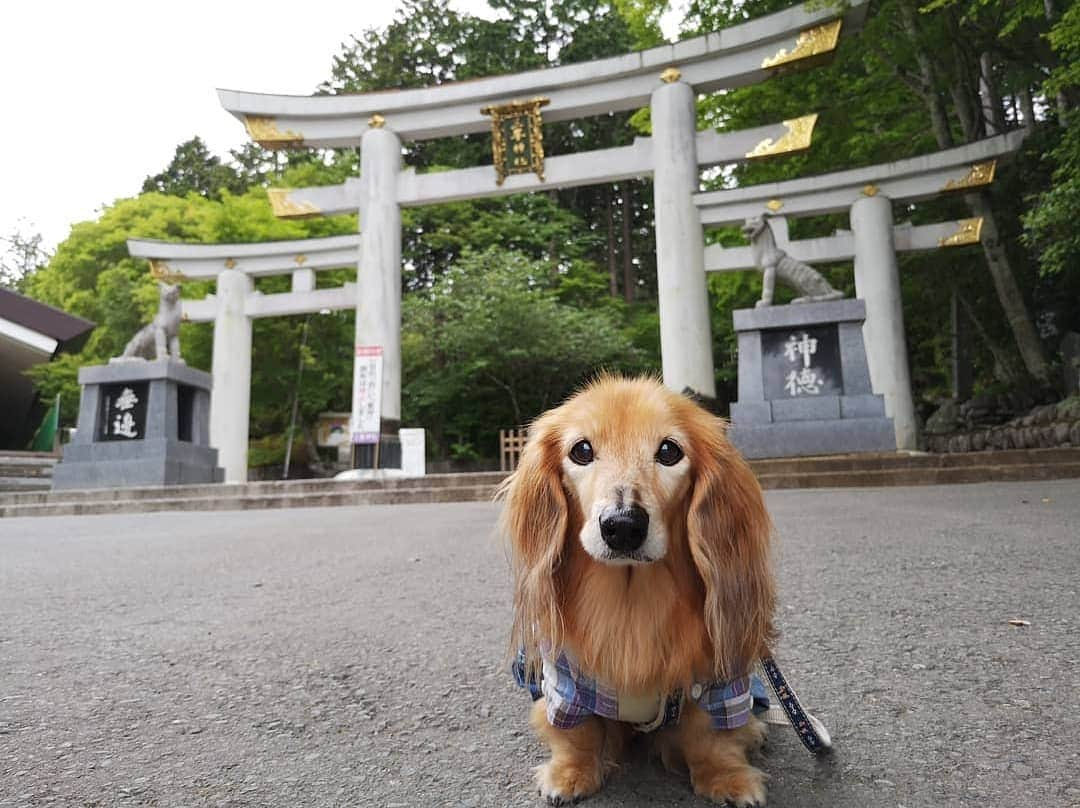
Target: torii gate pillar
[
  {"x": 378, "y": 282},
  {"x": 685, "y": 334},
  {"x": 231, "y": 365},
  {"x": 877, "y": 281}
]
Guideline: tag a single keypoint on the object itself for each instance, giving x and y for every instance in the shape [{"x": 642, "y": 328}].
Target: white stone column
[
  {"x": 685, "y": 335},
  {"x": 230, "y": 401},
  {"x": 378, "y": 282},
  {"x": 877, "y": 282}
]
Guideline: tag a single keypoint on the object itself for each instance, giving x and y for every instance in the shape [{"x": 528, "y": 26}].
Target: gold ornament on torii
[
  {"x": 969, "y": 232},
  {"x": 264, "y": 131},
  {"x": 800, "y": 133},
  {"x": 285, "y": 208},
  {"x": 517, "y": 138},
  {"x": 161, "y": 271},
  {"x": 979, "y": 174},
  {"x": 816, "y": 41}
]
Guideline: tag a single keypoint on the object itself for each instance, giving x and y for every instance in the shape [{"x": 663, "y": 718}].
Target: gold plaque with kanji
[{"x": 517, "y": 134}]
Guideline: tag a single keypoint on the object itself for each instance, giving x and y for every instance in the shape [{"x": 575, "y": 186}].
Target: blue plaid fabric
[{"x": 572, "y": 696}]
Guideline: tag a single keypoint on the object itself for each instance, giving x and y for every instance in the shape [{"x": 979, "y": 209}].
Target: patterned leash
[{"x": 810, "y": 730}]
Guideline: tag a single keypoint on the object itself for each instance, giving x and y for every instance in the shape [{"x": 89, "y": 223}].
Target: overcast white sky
[{"x": 97, "y": 95}]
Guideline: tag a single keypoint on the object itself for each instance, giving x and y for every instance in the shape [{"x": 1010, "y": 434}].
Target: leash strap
[{"x": 810, "y": 730}]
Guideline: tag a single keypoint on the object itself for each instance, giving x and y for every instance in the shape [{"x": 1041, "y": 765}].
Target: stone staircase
[
  {"x": 877, "y": 470},
  {"x": 842, "y": 471},
  {"x": 249, "y": 496},
  {"x": 26, "y": 471}
]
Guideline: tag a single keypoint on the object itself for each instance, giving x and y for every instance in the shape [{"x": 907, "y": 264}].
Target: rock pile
[{"x": 1047, "y": 426}]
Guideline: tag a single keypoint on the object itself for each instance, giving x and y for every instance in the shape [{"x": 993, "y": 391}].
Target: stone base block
[
  {"x": 133, "y": 473},
  {"x": 141, "y": 423},
  {"x": 389, "y": 453},
  {"x": 747, "y": 412},
  {"x": 802, "y": 438}
]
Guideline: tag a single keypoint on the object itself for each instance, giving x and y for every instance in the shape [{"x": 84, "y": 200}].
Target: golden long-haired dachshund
[{"x": 643, "y": 589}]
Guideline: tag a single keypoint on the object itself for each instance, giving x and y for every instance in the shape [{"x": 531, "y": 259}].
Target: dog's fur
[{"x": 698, "y": 607}]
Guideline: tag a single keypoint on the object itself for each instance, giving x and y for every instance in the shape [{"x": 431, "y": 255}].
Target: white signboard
[{"x": 367, "y": 394}]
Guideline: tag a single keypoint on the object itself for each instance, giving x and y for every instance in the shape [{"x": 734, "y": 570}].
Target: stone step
[
  {"x": 26, "y": 464},
  {"x": 876, "y": 478},
  {"x": 24, "y": 484},
  {"x": 896, "y": 461},
  {"x": 286, "y": 488},
  {"x": 329, "y": 497},
  {"x": 23, "y": 472},
  {"x": 19, "y": 470},
  {"x": 819, "y": 472}
]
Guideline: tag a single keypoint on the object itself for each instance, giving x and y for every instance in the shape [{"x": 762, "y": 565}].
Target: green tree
[
  {"x": 916, "y": 78},
  {"x": 92, "y": 275},
  {"x": 491, "y": 345},
  {"x": 21, "y": 254},
  {"x": 1051, "y": 222},
  {"x": 193, "y": 169}
]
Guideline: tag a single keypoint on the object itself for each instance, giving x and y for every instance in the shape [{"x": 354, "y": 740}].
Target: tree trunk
[
  {"x": 613, "y": 273},
  {"x": 1027, "y": 108},
  {"x": 964, "y": 86},
  {"x": 1005, "y": 366},
  {"x": 628, "y": 245},
  {"x": 997, "y": 260},
  {"x": 966, "y": 111},
  {"x": 993, "y": 117},
  {"x": 1027, "y": 340},
  {"x": 939, "y": 118}
]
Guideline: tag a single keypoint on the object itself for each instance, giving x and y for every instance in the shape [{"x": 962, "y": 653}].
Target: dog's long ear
[
  {"x": 535, "y": 522},
  {"x": 728, "y": 529}
]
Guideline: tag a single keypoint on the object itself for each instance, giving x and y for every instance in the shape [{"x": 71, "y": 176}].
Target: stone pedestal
[
  {"x": 407, "y": 458},
  {"x": 804, "y": 387},
  {"x": 389, "y": 452},
  {"x": 140, "y": 423}
]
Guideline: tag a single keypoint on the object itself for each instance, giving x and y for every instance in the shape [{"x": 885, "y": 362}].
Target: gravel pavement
[{"x": 352, "y": 656}]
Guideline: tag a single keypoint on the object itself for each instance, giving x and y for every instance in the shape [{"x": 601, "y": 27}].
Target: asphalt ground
[{"x": 352, "y": 656}]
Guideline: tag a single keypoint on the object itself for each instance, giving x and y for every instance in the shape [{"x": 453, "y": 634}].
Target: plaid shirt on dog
[{"x": 572, "y": 696}]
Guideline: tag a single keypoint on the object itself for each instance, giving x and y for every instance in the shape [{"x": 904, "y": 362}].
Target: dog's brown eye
[
  {"x": 581, "y": 453},
  {"x": 669, "y": 453}
]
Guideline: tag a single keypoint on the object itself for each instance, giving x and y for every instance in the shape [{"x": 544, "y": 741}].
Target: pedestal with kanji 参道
[
  {"x": 141, "y": 423},
  {"x": 804, "y": 386}
]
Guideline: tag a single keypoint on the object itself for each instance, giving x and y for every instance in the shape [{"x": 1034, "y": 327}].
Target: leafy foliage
[
  {"x": 494, "y": 341},
  {"x": 917, "y": 78}
]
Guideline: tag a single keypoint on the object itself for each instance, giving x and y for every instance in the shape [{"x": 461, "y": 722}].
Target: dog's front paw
[
  {"x": 565, "y": 784},
  {"x": 743, "y": 787}
]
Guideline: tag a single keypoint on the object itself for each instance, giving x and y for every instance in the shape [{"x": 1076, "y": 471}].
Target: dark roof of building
[{"x": 61, "y": 326}]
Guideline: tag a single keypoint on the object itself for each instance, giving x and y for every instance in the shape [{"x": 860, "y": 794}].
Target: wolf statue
[
  {"x": 161, "y": 337},
  {"x": 775, "y": 263}
]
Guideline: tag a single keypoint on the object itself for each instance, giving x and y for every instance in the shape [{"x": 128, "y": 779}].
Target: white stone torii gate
[
  {"x": 666, "y": 77},
  {"x": 234, "y": 266},
  {"x": 377, "y": 122},
  {"x": 236, "y": 303},
  {"x": 872, "y": 242}
]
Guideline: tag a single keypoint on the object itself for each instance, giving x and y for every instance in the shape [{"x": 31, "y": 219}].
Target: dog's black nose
[{"x": 624, "y": 529}]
